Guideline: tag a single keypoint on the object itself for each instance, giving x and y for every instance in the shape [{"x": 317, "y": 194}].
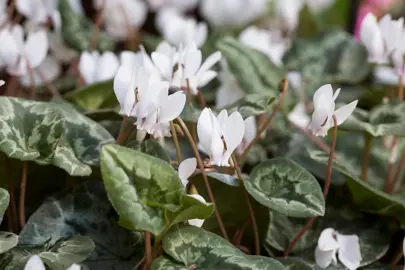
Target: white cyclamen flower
[
  {"x": 287, "y": 12},
  {"x": 192, "y": 71},
  {"x": 229, "y": 90},
  {"x": 178, "y": 29},
  {"x": 38, "y": 11},
  {"x": 347, "y": 248},
  {"x": 298, "y": 116},
  {"x": 220, "y": 135},
  {"x": 324, "y": 110},
  {"x": 181, "y": 5},
  {"x": 147, "y": 98},
  {"x": 164, "y": 58},
  {"x": 232, "y": 13},
  {"x": 18, "y": 55},
  {"x": 96, "y": 68},
  {"x": 197, "y": 222},
  {"x": 269, "y": 43},
  {"x": 2, "y": 82},
  {"x": 186, "y": 169},
  {"x": 250, "y": 134},
  {"x": 381, "y": 38},
  {"x": 123, "y": 16}
]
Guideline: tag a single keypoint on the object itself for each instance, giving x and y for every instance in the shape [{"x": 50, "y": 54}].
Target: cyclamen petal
[
  {"x": 349, "y": 251},
  {"x": 74, "y": 267},
  {"x": 34, "y": 263},
  {"x": 324, "y": 258},
  {"x": 36, "y": 48},
  {"x": 324, "y": 111},
  {"x": 186, "y": 169}
]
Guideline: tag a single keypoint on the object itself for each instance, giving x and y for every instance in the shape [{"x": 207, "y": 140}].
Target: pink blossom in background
[{"x": 377, "y": 7}]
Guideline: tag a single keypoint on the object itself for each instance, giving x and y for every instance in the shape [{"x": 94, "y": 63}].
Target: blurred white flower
[
  {"x": 77, "y": 6},
  {"x": 165, "y": 57},
  {"x": 324, "y": 110},
  {"x": 249, "y": 135},
  {"x": 229, "y": 90},
  {"x": 178, "y": 29},
  {"x": 220, "y": 135},
  {"x": 186, "y": 169},
  {"x": 232, "y": 13},
  {"x": 94, "y": 67},
  {"x": 122, "y": 16},
  {"x": 34, "y": 263},
  {"x": 287, "y": 12},
  {"x": 387, "y": 75},
  {"x": 298, "y": 116},
  {"x": 347, "y": 248},
  {"x": 50, "y": 68},
  {"x": 319, "y": 5},
  {"x": 267, "y": 42},
  {"x": 38, "y": 11},
  {"x": 192, "y": 71},
  {"x": 2, "y": 82},
  {"x": 20, "y": 55},
  {"x": 381, "y": 38},
  {"x": 181, "y": 5},
  {"x": 3, "y": 13}
]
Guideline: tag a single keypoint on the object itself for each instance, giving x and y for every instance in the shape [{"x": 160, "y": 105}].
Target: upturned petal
[
  {"x": 349, "y": 251},
  {"x": 186, "y": 169},
  {"x": 34, "y": 263},
  {"x": 324, "y": 258},
  {"x": 36, "y": 48},
  {"x": 233, "y": 132},
  {"x": 343, "y": 113},
  {"x": 328, "y": 240}
]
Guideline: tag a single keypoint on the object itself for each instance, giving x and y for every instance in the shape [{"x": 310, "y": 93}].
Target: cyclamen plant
[{"x": 201, "y": 134}]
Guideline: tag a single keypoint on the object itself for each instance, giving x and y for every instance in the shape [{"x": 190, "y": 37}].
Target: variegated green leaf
[
  {"x": 150, "y": 147},
  {"x": 77, "y": 30},
  {"x": 194, "y": 248},
  {"x": 50, "y": 133},
  {"x": 85, "y": 211},
  {"x": 253, "y": 70},
  {"x": 383, "y": 120},
  {"x": 366, "y": 196},
  {"x": 146, "y": 191},
  {"x": 8, "y": 240},
  {"x": 252, "y": 105},
  {"x": 284, "y": 186},
  {"x": 330, "y": 56},
  {"x": 4, "y": 201},
  {"x": 94, "y": 96}
]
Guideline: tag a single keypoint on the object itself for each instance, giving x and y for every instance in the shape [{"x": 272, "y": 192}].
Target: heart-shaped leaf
[
  {"x": 150, "y": 147},
  {"x": 7, "y": 241},
  {"x": 282, "y": 185},
  {"x": 4, "y": 201},
  {"x": 330, "y": 56},
  {"x": 77, "y": 30},
  {"x": 146, "y": 191},
  {"x": 50, "y": 133},
  {"x": 84, "y": 211},
  {"x": 252, "y": 105},
  {"x": 383, "y": 120},
  {"x": 194, "y": 248},
  {"x": 366, "y": 196},
  {"x": 253, "y": 70},
  {"x": 94, "y": 96}
]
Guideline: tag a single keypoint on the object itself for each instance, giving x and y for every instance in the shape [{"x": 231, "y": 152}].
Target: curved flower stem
[
  {"x": 267, "y": 122},
  {"x": 316, "y": 140},
  {"x": 207, "y": 184},
  {"x": 389, "y": 183},
  {"x": 201, "y": 99},
  {"x": 325, "y": 191},
  {"x": 400, "y": 167},
  {"x": 368, "y": 139},
  {"x": 97, "y": 26},
  {"x": 22, "y": 194},
  {"x": 249, "y": 204},
  {"x": 176, "y": 142},
  {"x": 13, "y": 216},
  {"x": 148, "y": 251},
  {"x": 189, "y": 94},
  {"x": 124, "y": 131}
]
